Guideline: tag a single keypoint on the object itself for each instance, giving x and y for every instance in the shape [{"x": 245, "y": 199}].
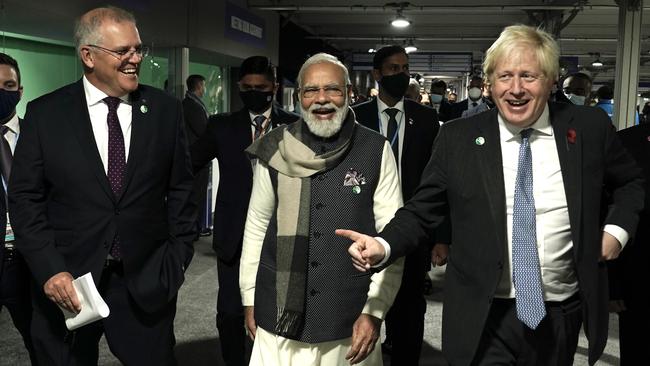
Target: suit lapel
[
  {"x": 568, "y": 140},
  {"x": 83, "y": 131},
  {"x": 409, "y": 131},
  {"x": 487, "y": 145},
  {"x": 140, "y": 119}
]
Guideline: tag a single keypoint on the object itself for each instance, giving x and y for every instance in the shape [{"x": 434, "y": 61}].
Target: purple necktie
[{"x": 116, "y": 159}]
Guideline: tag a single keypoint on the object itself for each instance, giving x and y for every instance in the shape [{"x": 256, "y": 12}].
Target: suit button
[
  {"x": 314, "y": 264},
  {"x": 319, "y": 205},
  {"x": 314, "y": 292},
  {"x": 317, "y": 234},
  {"x": 500, "y": 265},
  {"x": 117, "y": 211}
]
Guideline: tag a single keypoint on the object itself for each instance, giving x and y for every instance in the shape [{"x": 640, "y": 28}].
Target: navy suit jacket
[{"x": 63, "y": 210}]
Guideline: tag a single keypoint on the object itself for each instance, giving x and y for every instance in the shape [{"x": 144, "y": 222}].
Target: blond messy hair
[{"x": 547, "y": 52}]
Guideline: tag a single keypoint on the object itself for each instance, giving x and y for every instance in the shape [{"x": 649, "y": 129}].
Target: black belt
[
  {"x": 10, "y": 253},
  {"x": 554, "y": 304},
  {"x": 550, "y": 304}
]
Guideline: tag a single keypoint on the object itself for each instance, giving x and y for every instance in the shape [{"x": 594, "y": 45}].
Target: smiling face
[
  {"x": 519, "y": 87},
  {"x": 324, "y": 99},
  {"x": 114, "y": 75}
]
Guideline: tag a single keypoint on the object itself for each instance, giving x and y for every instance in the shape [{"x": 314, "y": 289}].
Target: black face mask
[
  {"x": 395, "y": 85},
  {"x": 256, "y": 101},
  {"x": 8, "y": 101}
]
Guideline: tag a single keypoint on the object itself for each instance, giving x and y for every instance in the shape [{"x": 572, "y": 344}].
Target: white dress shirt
[
  {"x": 554, "y": 243},
  {"x": 12, "y": 138},
  {"x": 98, "y": 111},
  {"x": 383, "y": 127}
]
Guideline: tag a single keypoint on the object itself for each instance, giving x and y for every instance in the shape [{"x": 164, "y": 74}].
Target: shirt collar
[
  {"x": 13, "y": 124},
  {"x": 95, "y": 96},
  {"x": 267, "y": 113},
  {"x": 382, "y": 106},
  {"x": 542, "y": 125}
]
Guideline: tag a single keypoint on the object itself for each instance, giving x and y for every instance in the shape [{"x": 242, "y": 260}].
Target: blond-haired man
[{"x": 523, "y": 186}]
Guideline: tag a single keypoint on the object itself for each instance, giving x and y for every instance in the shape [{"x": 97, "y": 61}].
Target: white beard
[{"x": 326, "y": 128}]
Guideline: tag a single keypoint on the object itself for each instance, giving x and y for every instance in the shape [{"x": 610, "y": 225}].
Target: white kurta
[{"x": 272, "y": 350}]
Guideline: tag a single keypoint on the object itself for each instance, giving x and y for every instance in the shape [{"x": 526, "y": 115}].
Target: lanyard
[{"x": 399, "y": 124}]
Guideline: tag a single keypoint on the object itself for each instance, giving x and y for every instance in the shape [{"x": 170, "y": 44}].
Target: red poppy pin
[{"x": 571, "y": 136}]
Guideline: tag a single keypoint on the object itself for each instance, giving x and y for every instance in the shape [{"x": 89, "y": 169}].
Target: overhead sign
[{"x": 244, "y": 26}]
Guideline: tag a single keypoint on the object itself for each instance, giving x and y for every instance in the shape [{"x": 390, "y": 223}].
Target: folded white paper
[{"x": 93, "y": 306}]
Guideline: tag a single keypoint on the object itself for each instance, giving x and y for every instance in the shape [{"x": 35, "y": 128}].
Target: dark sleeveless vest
[{"x": 336, "y": 292}]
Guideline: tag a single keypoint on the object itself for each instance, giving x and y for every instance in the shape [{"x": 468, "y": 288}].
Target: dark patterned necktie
[
  {"x": 258, "y": 122},
  {"x": 5, "y": 154},
  {"x": 116, "y": 159},
  {"x": 526, "y": 274},
  {"x": 393, "y": 132}
]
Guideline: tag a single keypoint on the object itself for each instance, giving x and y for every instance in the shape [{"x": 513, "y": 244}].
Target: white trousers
[{"x": 272, "y": 350}]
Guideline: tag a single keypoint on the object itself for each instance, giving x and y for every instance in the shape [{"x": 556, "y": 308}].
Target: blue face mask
[
  {"x": 435, "y": 98},
  {"x": 8, "y": 101}
]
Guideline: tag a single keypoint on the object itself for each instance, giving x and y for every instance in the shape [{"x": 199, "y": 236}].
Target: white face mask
[
  {"x": 576, "y": 99},
  {"x": 474, "y": 93}
]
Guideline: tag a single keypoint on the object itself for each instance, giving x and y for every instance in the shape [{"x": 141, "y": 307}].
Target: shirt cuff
[
  {"x": 386, "y": 249},
  {"x": 618, "y": 232}
]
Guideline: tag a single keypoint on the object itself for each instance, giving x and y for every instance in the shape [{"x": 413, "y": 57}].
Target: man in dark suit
[
  {"x": 196, "y": 121},
  {"x": 226, "y": 138},
  {"x": 523, "y": 185},
  {"x": 474, "y": 98},
  {"x": 101, "y": 183},
  {"x": 630, "y": 272},
  {"x": 439, "y": 101},
  {"x": 411, "y": 129},
  {"x": 14, "y": 274}
]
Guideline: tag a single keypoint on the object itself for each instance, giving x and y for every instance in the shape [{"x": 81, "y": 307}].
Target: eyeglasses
[
  {"x": 124, "y": 53},
  {"x": 330, "y": 91}
]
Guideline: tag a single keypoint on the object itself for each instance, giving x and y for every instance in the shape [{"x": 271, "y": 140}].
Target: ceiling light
[
  {"x": 400, "y": 21},
  {"x": 371, "y": 50},
  {"x": 410, "y": 47},
  {"x": 597, "y": 62}
]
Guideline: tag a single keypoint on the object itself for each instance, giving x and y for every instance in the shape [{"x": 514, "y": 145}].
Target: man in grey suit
[{"x": 522, "y": 184}]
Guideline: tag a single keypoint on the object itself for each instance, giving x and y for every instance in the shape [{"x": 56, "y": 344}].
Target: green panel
[
  {"x": 154, "y": 69},
  {"x": 43, "y": 67},
  {"x": 214, "y": 97}
]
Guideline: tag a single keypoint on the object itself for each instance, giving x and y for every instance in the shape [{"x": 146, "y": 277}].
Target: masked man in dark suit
[
  {"x": 101, "y": 183},
  {"x": 226, "y": 138},
  {"x": 410, "y": 129},
  {"x": 14, "y": 274},
  {"x": 523, "y": 186}
]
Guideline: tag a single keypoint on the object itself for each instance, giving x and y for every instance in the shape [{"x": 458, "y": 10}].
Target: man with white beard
[{"x": 305, "y": 303}]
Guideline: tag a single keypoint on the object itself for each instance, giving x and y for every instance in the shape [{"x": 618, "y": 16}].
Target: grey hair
[
  {"x": 86, "y": 30},
  {"x": 320, "y": 58}
]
